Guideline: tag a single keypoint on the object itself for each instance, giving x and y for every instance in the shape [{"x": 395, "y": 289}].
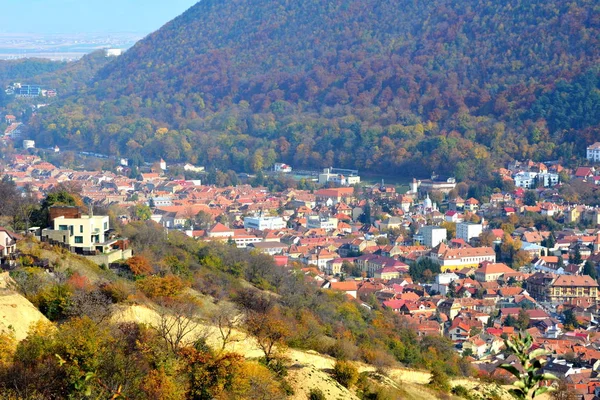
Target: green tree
[
  {"x": 510, "y": 321},
  {"x": 570, "y": 320},
  {"x": 550, "y": 242},
  {"x": 345, "y": 373},
  {"x": 530, "y": 382},
  {"x": 590, "y": 269},
  {"x": 439, "y": 380},
  {"x": 60, "y": 197},
  {"x": 143, "y": 212},
  {"x": 523, "y": 320},
  {"x": 576, "y": 257}
]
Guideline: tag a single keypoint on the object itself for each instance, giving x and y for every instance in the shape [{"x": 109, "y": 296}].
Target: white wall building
[
  {"x": 593, "y": 152},
  {"x": 446, "y": 278},
  {"x": 281, "y": 167},
  {"x": 113, "y": 52},
  {"x": 261, "y": 223},
  {"x": 548, "y": 179},
  {"x": 433, "y": 235},
  {"x": 468, "y": 230},
  {"x": 78, "y": 233},
  {"x": 525, "y": 179},
  {"x": 318, "y": 222},
  {"x": 338, "y": 179},
  {"x": 529, "y": 180}
]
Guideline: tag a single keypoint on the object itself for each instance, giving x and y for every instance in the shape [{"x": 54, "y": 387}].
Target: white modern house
[
  {"x": 529, "y": 179},
  {"x": 79, "y": 233},
  {"x": 87, "y": 235},
  {"x": 593, "y": 152}
]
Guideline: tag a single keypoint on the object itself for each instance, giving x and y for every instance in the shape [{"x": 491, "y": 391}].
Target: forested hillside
[
  {"x": 450, "y": 86},
  {"x": 19, "y": 70}
]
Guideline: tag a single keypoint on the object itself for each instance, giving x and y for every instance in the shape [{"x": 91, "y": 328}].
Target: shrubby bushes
[{"x": 291, "y": 312}]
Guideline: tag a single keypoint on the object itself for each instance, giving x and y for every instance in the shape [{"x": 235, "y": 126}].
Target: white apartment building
[
  {"x": 433, "y": 235},
  {"x": 593, "y": 152},
  {"x": 529, "y": 180},
  {"x": 468, "y": 230},
  {"x": 79, "y": 234},
  {"x": 318, "y": 222},
  {"x": 261, "y": 223}
]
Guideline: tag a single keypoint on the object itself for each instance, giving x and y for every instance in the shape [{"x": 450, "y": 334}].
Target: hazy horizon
[{"x": 50, "y": 17}]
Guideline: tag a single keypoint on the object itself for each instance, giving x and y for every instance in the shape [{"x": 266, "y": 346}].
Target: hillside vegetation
[
  {"x": 24, "y": 69},
  {"x": 394, "y": 85},
  {"x": 198, "y": 321}
]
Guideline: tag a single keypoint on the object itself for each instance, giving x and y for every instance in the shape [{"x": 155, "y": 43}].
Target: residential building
[
  {"x": 593, "y": 152},
  {"x": 489, "y": 272},
  {"x": 89, "y": 236},
  {"x": 455, "y": 259},
  {"x": 261, "y": 223},
  {"x": 468, "y": 230},
  {"x": 562, "y": 288},
  {"x": 270, "y": 248},
  {"x": 333, "y": 196},
  {"x": 321, "y": 222},
  {"x": 348, "y": 287},
  {"x": 433, "y": 235},
  {"x": 8, "y": 243},
  {"x": 566, "y": 288},
  {"x": 525, "y": 179},
  {"x": 78, "y": 234},
  {"x": 219, "y": 230},
  {"x": 371, "y": 263}
]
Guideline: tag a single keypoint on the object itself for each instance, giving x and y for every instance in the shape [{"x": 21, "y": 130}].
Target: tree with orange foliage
[
  {"x": 270, "y": 332},
  {"x": 159, "y": 385},
  {"x": 139, "y": 265},
  {"x": 211, "y": 376},
  {"x": 161, "y": 286}
]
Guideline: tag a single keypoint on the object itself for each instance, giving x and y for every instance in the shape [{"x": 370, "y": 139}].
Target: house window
[
  {"x": 63, "y": 228},
  {"x": 106, "y": 226},
  {"x": 79, "y": 239},
  {"x": 80, "y": 228}
]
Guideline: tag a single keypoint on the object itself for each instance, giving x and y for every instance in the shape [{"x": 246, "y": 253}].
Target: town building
[
  {"x": 270, "y": 248},
  {"x": 468, "y": 230},
  {"x": 433, "y": 235},
  {"x": 260, "y": 222},
  {"x": 371, "y": 264},
  {"x": 87, "y": 235},
  {"x": 561, "y": 289},
  {"x": 566, "y": 288},
  {"x": 593, "y": 152},
  {"x": 489, "y": 272},
  {"x": 455, "y": 259},
  {"x": 281, "y": 167},
  {"x": 333, "y": 196},
  {"x": 79, "y": 234},
  {"x": 349, "y": 178},
  {"x": 321, "y": 222}
]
